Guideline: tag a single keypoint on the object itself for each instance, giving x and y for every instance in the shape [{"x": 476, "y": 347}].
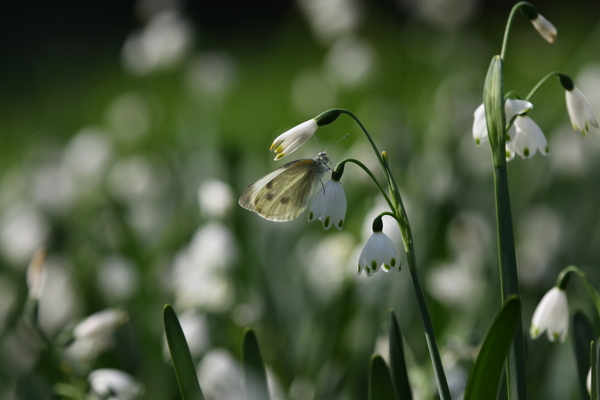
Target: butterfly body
[{"x": 284, "y": 194}]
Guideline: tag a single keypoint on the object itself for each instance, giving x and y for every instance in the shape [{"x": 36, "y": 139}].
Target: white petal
[
  {"x": 514, "y": 107},
  {"x": 545, "y": 28},
  {"x": 480, "y": 133},
  {"x": 551, "y": 315},
  {"x": 290, "y": 140},
  {"x": 580, "y": 111}
]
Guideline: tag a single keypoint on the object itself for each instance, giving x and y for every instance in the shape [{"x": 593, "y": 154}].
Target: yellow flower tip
[
  {"x": 273, "y": 146},
  {"x": 279, "y": 156}
]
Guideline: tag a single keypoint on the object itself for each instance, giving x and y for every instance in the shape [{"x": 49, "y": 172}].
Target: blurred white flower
[
  {"x": 220, "y": 376},
  {"x": 93, "y": 335},
  {"x": 551, "y": 315},
  {"x": 528, "y": 139},
  {"x": 312, "y": 93},
  {"x": 545, "y": 28},
  {"x": 326, "y": 265},
  {"x": 455, "y": 283},
  {"x": 350, "y": 62},
  {"x": 86, "y": 157},
  {"x": 129, "y": 116},
  {"x": 59, "y": 302},
  {"x": 290, "y": 140},
  {"x": 22, "y": 230},
  {"x": 161, "y": 45},
  {"x": 135, "y": 179},
  {"x": 511, "y": 109},
  {"x": 211, "y": 74},
  {"x": 379, "y": 250},
  {"x": 117, "y": 279},
  {"x": 580, "y": 111},
  {"x": 36, "y": 273},
  {"x": 99, "y": 324},
  {"x": 200, "y": 270},
  {"x": 331, "y": 19},
  {"x": 112, "y": 384},
  {"x": 215, "y": 198},
  {"x": 329, "y": 205}
]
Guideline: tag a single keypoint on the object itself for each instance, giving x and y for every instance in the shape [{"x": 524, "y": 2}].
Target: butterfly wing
[{"x": 283, "y": 194}]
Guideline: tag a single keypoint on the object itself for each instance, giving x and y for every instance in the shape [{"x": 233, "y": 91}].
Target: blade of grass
[
  {"x": 397, "y": 363},
  {"x": 380, "y": 381},
  {"x": 181, "y": 357},
  {"x": 485, "y": 376},
  {"x": 254, "y": 368}
]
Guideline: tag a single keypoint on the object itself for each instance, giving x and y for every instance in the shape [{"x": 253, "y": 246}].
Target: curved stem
[
  {"x": 563, "y": 279},
  {"x": 540, "y": 83},
  {"x": 508, "y": 27},
  {"x": 389, "y": 214},
  {"x": 368, "y": 171}
]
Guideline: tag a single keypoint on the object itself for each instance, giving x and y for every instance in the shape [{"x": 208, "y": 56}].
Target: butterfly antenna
[
  {"x": 317, "y": 140},
  {"x": 344, "y": 137}
]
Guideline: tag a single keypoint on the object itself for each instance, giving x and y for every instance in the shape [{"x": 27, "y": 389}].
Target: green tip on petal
[
  {"x": 555, "y": 336},
  {"x": 326, "y": 222},
  {"x": 368, "y": 270},
  {"x": 507, "y": 137},
  {"x": 386, "y": 267},
  {"x": 393, "y": 262},
  {"x": 547, "y": 149},
  {"x": 374, "y": 265},
  {"x": 341, "y": 223},
  {"x": 310, "y": 216},
  {"x": 477, "y": 141},
  {"x": 526, "y": 152}
]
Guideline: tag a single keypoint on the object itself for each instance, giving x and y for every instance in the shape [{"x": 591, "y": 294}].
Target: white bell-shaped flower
[
  {"x": 290, "y": 140},
  {"x": 378, "y": 251},
  {"x": 580, "y": 111},
  {"x": 552, "y": 316},
  {"x": 528, "y": 139},
  {"x": 512, "y": 107},
  {"x": 545, "y": 28},
  {"x": 329, "y": 205}
]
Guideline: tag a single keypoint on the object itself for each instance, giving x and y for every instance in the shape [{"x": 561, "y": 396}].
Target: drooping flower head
[
  {"x": 524, "y": 137},
  {"x": 552, "y": 316},
  {"x": 541, "y": 24},
  {"x": 292, "y": 139},
  {"x": 578, "y": 106},
  {"x": 329, "y": 204},
  {"x": 378, "y": 251}
]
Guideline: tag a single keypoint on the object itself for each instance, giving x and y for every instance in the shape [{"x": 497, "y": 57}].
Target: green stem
[
  {"x": 509, "y": 282},
  {"x": 515, "y": 8},
  {"x": 540, "y": 83},
  {"x": 563, "y": 279},
  {"x": 368, "y": 171},
  {"x": 407, "y": 238}
]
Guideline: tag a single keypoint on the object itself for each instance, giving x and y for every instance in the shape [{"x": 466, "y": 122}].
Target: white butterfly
[{"x": 283, "y": 194}]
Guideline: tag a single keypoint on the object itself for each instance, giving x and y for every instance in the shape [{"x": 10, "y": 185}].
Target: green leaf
[
  {"x": 254, "y": 368},
  {"x": 182, "y": 359},
  {"x": 583, "y": 335},
  {"x": 397, "y": 363},
  {"x": 380, "y": 381},
  {"x": 485, "y": 376}
]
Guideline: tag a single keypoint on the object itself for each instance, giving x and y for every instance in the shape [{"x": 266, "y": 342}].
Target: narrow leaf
[
  {"x": 380, "y": 381},
  {"x": 182, "y": 359},
  {"x": 583, "y": 335},
  {"x": 485, "y": 376},
  {"x": 397, "y": 362},
  {"x": 254, "y": 368}
]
